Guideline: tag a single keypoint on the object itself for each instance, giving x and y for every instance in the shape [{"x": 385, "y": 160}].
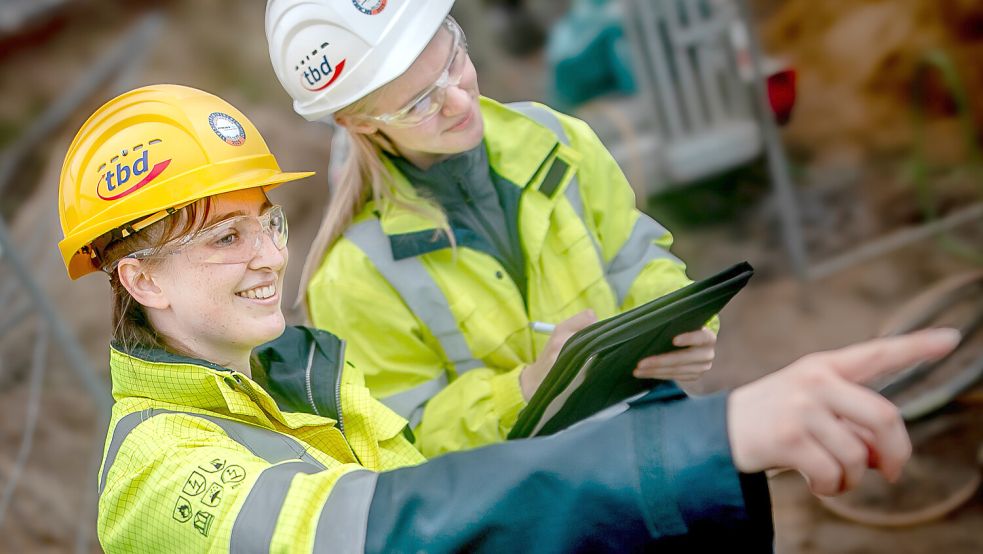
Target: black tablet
[{"x": 594, "y": 368}]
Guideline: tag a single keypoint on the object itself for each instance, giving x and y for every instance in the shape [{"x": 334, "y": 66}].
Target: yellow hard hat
[{"x": 148, "y": 152}]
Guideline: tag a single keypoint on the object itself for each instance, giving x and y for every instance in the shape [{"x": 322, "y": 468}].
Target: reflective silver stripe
[
  {"x": 344, "y": 516},
  {"x": 124, "y": 426},
  {"x": 406, "y": 403},
  {"x": 418, "y": 290},
  {"x": 255, "y": 523},
  {"x": 635, "y": 254},
  {"x": 344, "y": 519},
  {"x": 263, "y": 443},
  {"x": 423, "y": 297},
  {"x": 638, "y": 250}
]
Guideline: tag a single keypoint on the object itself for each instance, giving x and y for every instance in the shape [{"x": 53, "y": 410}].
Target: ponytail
[{"x": 362, "y": 177}]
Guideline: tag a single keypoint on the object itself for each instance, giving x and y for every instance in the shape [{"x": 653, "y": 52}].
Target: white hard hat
[{"x": 329, "y": 53}]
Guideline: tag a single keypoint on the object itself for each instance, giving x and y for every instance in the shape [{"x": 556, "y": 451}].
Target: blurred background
[{"x": 835, "y": 145}]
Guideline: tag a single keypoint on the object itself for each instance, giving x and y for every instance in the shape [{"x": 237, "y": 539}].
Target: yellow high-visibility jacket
[
  {"x": 200, "y": 458},
  {"x": 444, "y": 333}
]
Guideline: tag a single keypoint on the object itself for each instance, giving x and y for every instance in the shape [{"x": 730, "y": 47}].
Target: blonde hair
[{"x": 363, "y": 176}]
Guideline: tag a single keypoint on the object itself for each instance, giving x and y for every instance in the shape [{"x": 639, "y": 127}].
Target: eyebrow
[
  {"x": 217, "y": 218},
  {"x": 229, "y": 215}
]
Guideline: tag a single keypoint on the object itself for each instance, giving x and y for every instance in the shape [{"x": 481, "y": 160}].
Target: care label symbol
[
  {"x": 215, "y": 465},
  {"x": 203, "y": 522},
  {"x": 195, "y": 484},
  {"x": 233, "y": 474},
  {"x": 182, "y": 509},
  {"x": 213, "y": 496}
]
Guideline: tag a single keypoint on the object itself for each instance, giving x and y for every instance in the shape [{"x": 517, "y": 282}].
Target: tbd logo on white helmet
[{"x": 316, "y": 72}]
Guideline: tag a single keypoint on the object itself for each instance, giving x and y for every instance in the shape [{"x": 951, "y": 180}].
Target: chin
[{"x": 266, "y": 331}]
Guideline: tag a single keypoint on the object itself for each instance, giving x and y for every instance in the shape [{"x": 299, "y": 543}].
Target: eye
[
  {"x": 226, "y": 239},
  {"x": 422, "y": 107}
]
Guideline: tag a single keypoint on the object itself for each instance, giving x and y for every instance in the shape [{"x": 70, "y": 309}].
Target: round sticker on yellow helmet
[{"x": 227, "y": 128}]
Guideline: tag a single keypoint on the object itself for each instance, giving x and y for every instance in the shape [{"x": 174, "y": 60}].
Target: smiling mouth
[
  {"x": 460, "y": 124},
  {"x": 258, "y": 293}
]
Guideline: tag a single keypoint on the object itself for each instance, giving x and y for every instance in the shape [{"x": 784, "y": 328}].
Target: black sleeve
[{"x": 659, "y": 475}]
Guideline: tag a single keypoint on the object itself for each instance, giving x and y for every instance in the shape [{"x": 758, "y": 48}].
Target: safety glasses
[
  {"x": 429, "y": 102},
  {"x": 231, "y": 241}
]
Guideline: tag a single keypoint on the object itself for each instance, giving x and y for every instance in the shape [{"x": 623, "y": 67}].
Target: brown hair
[{"x": 131, "y": 326}]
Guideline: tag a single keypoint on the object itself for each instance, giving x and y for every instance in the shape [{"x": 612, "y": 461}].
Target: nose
[
  {"x": 267, "y": 255},
  {"x": 456, "y": 101}
]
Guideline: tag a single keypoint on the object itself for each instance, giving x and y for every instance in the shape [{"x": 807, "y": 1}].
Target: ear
[
  {"x": 135, "y": 278},
  {"x": 356, "y": 124}
]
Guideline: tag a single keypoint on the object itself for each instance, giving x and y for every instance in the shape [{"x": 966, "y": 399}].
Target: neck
[
  {"x": 233, "y": 358},
  {"x": 422, "y": 160}
]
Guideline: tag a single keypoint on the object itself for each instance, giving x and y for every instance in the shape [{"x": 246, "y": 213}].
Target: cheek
[
  {"x": 470, "y": 79},
  {"x": 206, "y": 288},
  {"x": 423, "y": 138}
]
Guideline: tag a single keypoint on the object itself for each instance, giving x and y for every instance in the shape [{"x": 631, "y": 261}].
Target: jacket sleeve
[
  {"x": 476, "y": 408},
  {"x": 609, "y": 485},
  {"x": 602, "y": 485},
  {"x": 634, "y": 246}
]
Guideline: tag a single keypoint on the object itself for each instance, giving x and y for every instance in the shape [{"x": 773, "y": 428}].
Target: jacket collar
[
  {"x": 413, "y": 234},
  {"x": 440, "y": 181},
  {"x": 298, "y": 357}
]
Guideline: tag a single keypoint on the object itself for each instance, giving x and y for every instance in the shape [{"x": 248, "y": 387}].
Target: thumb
[
  {"x": 866, "y": 361},
  {"x": 577, "y": 321}
]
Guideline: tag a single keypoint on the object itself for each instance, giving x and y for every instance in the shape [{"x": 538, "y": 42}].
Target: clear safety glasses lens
[
  {"x": 425, "y": 106},
  {"x": 238, "y": 239},
  {"x": 234, "y": 240}
]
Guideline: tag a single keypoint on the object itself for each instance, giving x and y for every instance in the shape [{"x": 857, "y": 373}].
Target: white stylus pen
[{"x": 542, "y": 327}]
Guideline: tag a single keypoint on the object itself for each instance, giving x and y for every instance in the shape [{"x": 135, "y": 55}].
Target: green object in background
[
  {"x": 938, "y": 60},
  {"x": 594, "y": 369},
  {"x": 588, "y": 54}
]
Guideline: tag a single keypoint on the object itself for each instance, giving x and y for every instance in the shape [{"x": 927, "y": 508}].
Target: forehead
[
  {"x": 424, "y": 71},
  {"x": 250, "y": 201}
]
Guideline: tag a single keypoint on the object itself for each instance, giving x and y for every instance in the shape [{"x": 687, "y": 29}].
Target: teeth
[{"x": 261, "y": 293}]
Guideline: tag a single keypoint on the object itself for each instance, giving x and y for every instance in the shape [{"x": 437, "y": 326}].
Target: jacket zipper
[
  {"x": 307, "y": 377},
  {"x": 246, "y": 390},
  {"x": 337, "y": 398},
  {"x": 337, "y": 390}
]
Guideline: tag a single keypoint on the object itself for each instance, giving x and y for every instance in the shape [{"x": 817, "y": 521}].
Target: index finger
[{"x": 866, "y": 361}]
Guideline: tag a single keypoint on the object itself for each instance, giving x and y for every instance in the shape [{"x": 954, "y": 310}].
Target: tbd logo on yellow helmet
[
  {"x": 312, "y": 73},
  {"x": 115, "y": 182}
]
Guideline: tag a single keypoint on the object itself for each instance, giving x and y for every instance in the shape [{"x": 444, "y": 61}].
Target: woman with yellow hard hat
[
  {"x": 459, "y": 226},
  {"x": 231, "y": 433}
]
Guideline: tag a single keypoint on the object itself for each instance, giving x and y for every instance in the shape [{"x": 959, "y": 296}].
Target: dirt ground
[{"x": 218, "y": 46}]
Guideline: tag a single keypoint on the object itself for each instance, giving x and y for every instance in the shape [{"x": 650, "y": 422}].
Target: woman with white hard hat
[
  {"x": 220, "y": 441},
  {"x": 458, "y": 227}
]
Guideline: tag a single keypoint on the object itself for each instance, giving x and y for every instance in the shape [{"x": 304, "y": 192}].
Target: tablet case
[{"x": 594, "y": 368}]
